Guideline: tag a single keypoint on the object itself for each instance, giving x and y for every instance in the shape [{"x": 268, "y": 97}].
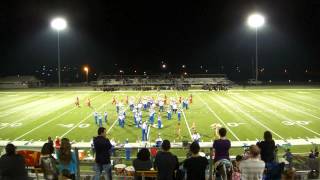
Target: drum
[
  {"x": 129, "y": 171},
  {"x": 120, "y": 169}
]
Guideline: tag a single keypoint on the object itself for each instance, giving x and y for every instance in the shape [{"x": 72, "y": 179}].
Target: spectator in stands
[
  {"x": 50, "y": 140},
  {"x": 252, "y": 168},
  {"x": 195, "y": 165},
  {"x": 165, "y": 162},
  {"x": 288, "y": 174},
  {"x": 143, "y": 162},
  {"x": 288, "y": 156},
  {"x": 48, "y": 163},
  {"x": 236, "y": 169},
  {"x": 221, "y": 148},
  {"x": 102, "y": 148},
  {"x": 67, "y": 159},
  {"x": 57, "y": 143},
  {"x": 267, "y": 148},
  {"x": 12, "y": 165}
]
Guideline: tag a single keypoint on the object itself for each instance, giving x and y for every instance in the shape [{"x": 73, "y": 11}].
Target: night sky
[{"x": 139, "y": 35}]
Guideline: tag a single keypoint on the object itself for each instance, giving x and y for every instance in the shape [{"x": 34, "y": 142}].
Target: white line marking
[
  {"x": 66, "y": 112},
  {"x": 117, "y": 119},
  {"x": 251, "y": 117},
  {"x": 282, "y": 116},
  {"x": 185, "y": 119},
  {"x": 297, "y": 101},
  {"x": 84, "y": 119},
  {"x": 218, "y": 118}
]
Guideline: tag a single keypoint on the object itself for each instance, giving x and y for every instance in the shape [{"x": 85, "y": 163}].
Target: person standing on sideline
[
  {"x": 102, "y": 148},
  {"x": 195, "y": 165},
  {"x": 165, "y": 162}
]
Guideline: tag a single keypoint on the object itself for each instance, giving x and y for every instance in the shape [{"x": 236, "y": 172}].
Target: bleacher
[
  {"x": 86, "y": 160},
  {"x": 160, "y": 81}
]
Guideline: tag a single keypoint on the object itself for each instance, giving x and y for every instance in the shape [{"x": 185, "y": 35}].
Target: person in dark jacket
[
  {"x": 267, "y": 147},
  {"x": 12, "y": 165},
  {"x": 195, "y": 165},
  {"x": 102, "y": 148},
  {"x": 143, "y": 162},
  {"x": 165, "y": 162}
]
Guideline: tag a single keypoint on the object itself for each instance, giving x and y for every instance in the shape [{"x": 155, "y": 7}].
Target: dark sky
[{"x": 138, "y": 35}]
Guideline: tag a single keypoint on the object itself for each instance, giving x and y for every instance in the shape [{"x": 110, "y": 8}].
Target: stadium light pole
[
  {"x": 256, "y": 21},
  {"x": 59, "y": 24},
  {"x": 86, "y": 69}
]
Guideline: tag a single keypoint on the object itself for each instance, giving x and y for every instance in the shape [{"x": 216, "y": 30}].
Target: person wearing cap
[
  {"x": 165, "y": 162},
  {"x": 12, "y": 165}
]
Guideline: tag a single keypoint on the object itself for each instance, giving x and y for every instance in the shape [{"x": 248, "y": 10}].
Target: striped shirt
[{"x": 252, "y": 169}]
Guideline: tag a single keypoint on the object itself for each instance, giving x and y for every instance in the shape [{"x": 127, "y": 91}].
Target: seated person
[{"x": 143, "y": 162}]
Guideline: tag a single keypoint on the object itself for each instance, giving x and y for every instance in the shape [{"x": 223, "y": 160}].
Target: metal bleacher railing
[{"x": 125, "y": 155}]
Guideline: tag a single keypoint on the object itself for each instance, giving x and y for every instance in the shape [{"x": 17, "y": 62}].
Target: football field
[{"x": 289, "y": 113}]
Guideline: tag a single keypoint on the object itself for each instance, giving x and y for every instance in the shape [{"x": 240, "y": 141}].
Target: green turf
[{"x": 247, "y": 113}]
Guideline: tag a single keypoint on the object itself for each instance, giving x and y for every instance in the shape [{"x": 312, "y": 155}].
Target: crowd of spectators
[{"x": 258, "y": 161}]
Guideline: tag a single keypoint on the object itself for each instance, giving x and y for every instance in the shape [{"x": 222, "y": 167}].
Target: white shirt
[
  {"x": 144, "y": 126},
  {"x": 196, "y": 136},
  {"x": 174, "y": 106},
  {"x": 252, "y": 169},
  {"x": 161, "y": 103}
]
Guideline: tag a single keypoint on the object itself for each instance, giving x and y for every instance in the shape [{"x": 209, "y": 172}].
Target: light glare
[
  {"x": 59, "y": 24},
  {"x": 256, "y": 20}
]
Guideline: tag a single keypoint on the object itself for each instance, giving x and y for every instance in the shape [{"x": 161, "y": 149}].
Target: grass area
[{"x": 288, "y": 112}]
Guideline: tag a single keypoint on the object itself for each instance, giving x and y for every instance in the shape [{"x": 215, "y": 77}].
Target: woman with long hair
[{"x": 67, "y": 159}]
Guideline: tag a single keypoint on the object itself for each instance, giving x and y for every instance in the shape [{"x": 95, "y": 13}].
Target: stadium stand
[
  {"x": 10, "y": 82},
  {"x": 303, "y": 166},
  {"x": 154, "y": 82}
]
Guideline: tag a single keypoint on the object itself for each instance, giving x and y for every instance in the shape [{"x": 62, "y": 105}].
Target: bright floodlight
[
  {"x": 59, "y": 24},
  {"x": 86, "y": 69},
  {"x": 255, "y": 20}
]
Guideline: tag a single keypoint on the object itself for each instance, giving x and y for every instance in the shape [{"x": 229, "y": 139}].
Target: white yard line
[
  {"x": 43, "y": 112},
  {"x": 297, "y": 101},
  {"x": 287, "y": 106},
  {"x": 117, "y": 119},
  {"x": 251, "y": 117},
  {"x": 29, "y": 105},
  {"x": 185, "y": 119},
  {"x": 47, "y": 122},
  {"x": 214, "y": 113},
  {"x": 148, "y": 131},
  {"x": 279, "y": 115},
  {"x": 84, "y": 119}
]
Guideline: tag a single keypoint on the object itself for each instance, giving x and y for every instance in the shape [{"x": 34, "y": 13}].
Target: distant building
[{"x": 19, "y": 82}]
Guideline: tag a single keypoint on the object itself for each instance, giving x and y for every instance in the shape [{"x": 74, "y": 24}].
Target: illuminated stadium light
[
  {"x": 185, "y": 73},
  {"x": 59, "y": 24},
  {"x": 183, "y": 66},
  {"x": 164, "y": 66},
  {"x": 256, "y": 20},
  {"x": 86, "y": 70}
]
